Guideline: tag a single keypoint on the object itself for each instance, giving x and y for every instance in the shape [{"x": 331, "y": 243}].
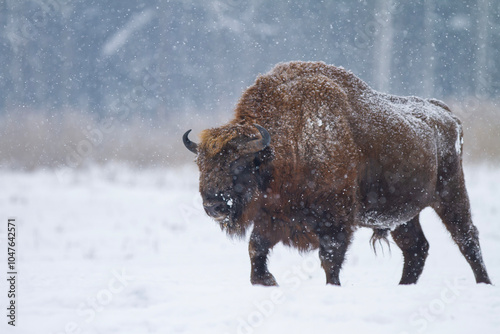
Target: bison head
[{"x": 233, "y": 163}]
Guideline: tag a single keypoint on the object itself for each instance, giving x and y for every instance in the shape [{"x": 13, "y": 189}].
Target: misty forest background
[{"x": 86, "y": 82}]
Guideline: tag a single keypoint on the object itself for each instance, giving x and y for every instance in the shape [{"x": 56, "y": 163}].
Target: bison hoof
[
  {"x": 266, "y": 280},
  {"x": 484, "y": 280},
  {"x": 333, "y": 282}
]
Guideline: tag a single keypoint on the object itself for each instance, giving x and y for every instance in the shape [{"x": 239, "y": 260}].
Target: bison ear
[
  {"x": 193, "y": 147},
  {"x": 258, "y": 144}
]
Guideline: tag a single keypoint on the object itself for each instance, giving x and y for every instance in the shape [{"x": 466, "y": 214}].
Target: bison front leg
[
  {"x": 411, "y": 239},
  {"x": 332, "y": 250},
  {"x": 258, "y": 249}
]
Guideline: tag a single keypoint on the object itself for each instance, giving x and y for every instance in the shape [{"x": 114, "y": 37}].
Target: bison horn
[
  {"x": 258, "y": 144},
  {"x": 266, "y": 137},
  {"x": 193, "y": 147}
]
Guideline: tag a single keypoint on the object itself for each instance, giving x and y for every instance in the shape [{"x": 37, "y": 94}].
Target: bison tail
[{"x": 380, "y": 234}]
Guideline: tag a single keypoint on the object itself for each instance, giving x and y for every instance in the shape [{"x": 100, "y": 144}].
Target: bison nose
[{"x": 215, "y": 209}]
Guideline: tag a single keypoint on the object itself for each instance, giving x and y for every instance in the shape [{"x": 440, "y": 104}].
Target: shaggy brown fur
[{"x": 341, "y": 156}]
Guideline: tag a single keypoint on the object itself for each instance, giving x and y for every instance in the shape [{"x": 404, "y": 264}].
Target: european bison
[{"x": 314, "y": 153}]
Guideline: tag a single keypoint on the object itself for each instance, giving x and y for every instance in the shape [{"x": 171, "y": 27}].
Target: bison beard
[{"x": 331, "y": 155}]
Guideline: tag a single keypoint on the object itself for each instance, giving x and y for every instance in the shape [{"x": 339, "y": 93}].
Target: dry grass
[
  {"x": 481, "y": 122},
  {"x": 31, "y": 139}
]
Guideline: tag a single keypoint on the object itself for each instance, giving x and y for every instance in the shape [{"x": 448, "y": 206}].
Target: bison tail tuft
[{"x": 380, "y": 234}]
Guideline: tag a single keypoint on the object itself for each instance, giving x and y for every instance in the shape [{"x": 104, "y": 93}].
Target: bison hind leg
[
  {"x": 453, "y": 208},
  {"x": 380, "y": 235}
]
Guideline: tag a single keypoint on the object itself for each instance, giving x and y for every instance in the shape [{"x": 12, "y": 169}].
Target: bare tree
[
  {"x": 15, "y": 33},
  {"x": 483, "y": 79},
  {"x": 429, "y": 61},
  {"x": 383, "y": 44}
]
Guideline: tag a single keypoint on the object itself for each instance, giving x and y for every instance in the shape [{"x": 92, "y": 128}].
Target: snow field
[{"x": 113, "y": 250}]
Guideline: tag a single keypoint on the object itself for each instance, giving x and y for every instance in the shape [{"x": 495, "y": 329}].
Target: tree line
[{"x": 161, "y": 58}]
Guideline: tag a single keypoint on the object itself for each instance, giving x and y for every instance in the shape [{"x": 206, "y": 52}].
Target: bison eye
[{"x": 239, "y": 169}]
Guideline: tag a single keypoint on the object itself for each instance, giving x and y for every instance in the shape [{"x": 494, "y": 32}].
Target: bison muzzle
[{"x": 313, "y": 153}]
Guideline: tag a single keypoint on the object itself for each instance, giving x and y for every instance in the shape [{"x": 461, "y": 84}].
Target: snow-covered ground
[{"x": 111, "y": 250}]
